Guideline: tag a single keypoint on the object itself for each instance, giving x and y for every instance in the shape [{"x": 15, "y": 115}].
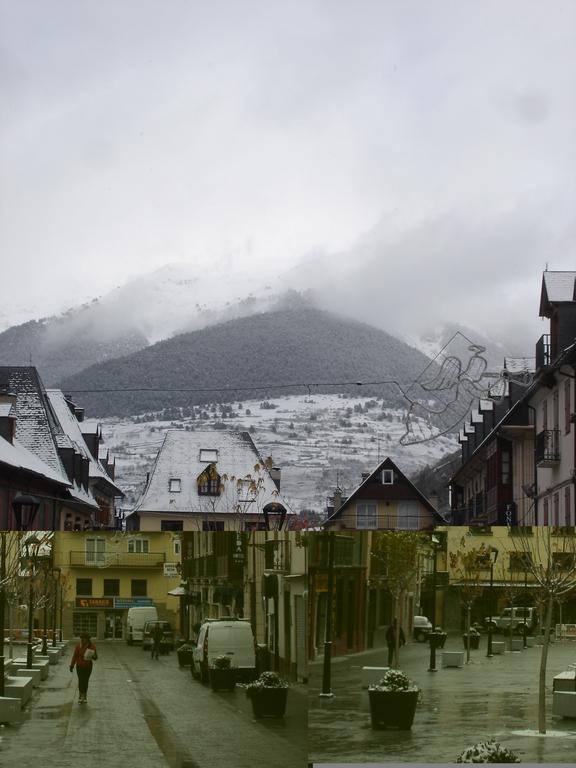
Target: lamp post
[
  {"x": 31, "y": 543},
  {"x": 493, "y": 554},
  {"x": 525, "y": 632},
  {"x": 2, "y": 607},
  {"x": 55, "y": 582},
  {"x": 45, "y": 611},
  {"x": 25, "y": 508},
  {"x": 327, "y": 668},
  {"x": 433, "y": 639}
]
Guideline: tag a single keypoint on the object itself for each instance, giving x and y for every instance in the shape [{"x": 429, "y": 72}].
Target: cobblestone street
[
  {"x": 494, "y": 697},
  {"x": 149, "y": 714}
]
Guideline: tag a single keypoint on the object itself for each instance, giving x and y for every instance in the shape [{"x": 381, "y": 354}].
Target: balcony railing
[
  {"x": 117, "y": 559},
  {"x": 548, "y": 448},
  {"x": 543, "y": 351},
  {"x": 277, "y": 556}
]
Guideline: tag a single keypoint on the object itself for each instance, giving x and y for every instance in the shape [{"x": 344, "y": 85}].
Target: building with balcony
[
  {"x": 104, "y": 574},
  {"x": 259, "y": 576},
  {"x": 518, "y": 454}
]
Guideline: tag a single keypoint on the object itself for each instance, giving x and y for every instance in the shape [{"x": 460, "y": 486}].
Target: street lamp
[
  {"x": 274, "y": 516},
  {"x": 326, "y": 672},
  {"x": 493, "y": 555},
  {"x": 25, "y": 508},
  {"x": 31, "y": 543},
  {"x": 56, "y": 581},
  {"x": 433, "y": 640},
  {"x": 2, "y": 608}
]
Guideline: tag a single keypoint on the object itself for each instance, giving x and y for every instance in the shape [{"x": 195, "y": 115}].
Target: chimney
[
  {"x": 275, "y": 474},
  {"x": 337, "y": 499},
  {"x": 7, "y": 416}
]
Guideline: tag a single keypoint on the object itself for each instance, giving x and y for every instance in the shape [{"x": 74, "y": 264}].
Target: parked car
[
  {"x": 167, "y": 642},
  {"x": 136, "y": 619},
  {"x": 225, "y": 637},
  {"x": 513, "y": 619},
  {"x": 421, "y": 627}
]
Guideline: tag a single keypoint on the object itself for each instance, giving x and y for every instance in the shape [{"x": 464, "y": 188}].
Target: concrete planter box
[
  {"x": 564, "y": 703},
  {"x": 372, "y": 675},
  {"x": 52, "y": 657},
  {"x": 530, "y": 642},
  {"x": 37, "y": 663},
  {"x": 19, "y": 688},
  {"x": 517, "y": 644},
  {"x": 565, "y": 681},
  {"x": 498, "y": 647},
  {"x": 452, "y": 658},
  {"x": 35, "y": 674},
  {"x": 10, "y": 710}
]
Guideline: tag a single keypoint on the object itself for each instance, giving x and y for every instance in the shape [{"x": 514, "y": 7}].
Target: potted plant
[
  {"x": 472, "y": 639},
  {"x": 184, "y": 653},
  {"x": 268, "y": 694},
  {"x": 222, "y": 674},
  {"x": 393, "y": 701},
  {"x": 487, "y": 752}
]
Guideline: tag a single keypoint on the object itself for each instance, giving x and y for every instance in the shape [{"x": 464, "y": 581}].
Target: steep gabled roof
[
  {"x": 17, "y": 457},
  {"x": 71, "y": 428},
  {"x": 185, "y": 455},
  {"x": 557, "y": 287},
  {"x": 386, "y": 464}
]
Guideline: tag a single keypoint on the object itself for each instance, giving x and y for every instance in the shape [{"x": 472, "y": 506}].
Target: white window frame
[
  {"x": 209, "y": 455},
  {"x": 174, "y": 485},
  {"x": 363, "y": 510},
  {"x": 95, "y": 554},
  {"x": 138, "y": 546},
  {"x": 245, "y": 490},
  {"x": 387, "y": 477}
]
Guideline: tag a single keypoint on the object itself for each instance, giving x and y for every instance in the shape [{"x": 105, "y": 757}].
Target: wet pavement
[
  {"x": 494, "y": 697},
  {"x": 149, "y": 714}
]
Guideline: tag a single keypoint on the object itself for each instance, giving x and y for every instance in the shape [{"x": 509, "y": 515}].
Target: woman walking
[{"x": 84, "y": 655}]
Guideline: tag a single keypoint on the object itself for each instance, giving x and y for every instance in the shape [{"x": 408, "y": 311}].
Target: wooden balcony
[{"x": 548, "y": 448}]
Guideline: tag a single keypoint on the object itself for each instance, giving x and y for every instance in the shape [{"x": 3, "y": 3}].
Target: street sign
[
  {"x": 132, "y": 602},
  {"x": 94, "y": 602},
  {"x": 171, "y": 570}
]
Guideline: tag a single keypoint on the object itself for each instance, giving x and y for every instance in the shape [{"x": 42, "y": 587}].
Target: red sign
[{"x": 94, "y": 602}]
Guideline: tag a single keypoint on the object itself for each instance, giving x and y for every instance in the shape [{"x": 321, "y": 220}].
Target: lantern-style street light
[
  {"x": 493, "y": 554},
  {"x": 31, "y": 546},
  {"x": 25, "y": 508},
  {"x": 274, "y": 516}
]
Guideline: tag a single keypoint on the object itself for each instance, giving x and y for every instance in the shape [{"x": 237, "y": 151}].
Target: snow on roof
[
  {"x": 179, "y": 459},
  {"x": 19, "y": 457},
  {"x": 73, "y": 433},
  {"x": 77, "y": 493},
  {"x": 37, "y": 428},
  {"x": 556, "y": 287},
  {"x": 7, "y": 409}
]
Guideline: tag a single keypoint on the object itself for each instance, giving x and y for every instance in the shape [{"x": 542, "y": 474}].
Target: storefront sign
[
  {"x": 132, "y": 602},
  {"x": 171, "y": 570},
  {"x": 94, "y": 602}
]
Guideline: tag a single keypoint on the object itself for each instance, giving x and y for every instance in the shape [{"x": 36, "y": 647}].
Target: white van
[
  {"x": 137, "y": 617},
  {"x": 225, "y": 637}
]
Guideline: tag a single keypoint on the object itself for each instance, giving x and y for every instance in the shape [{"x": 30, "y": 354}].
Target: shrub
[{"x": 487, "y": 752}]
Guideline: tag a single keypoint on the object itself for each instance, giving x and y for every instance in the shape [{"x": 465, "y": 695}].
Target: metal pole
[
  {"x": 2, "y": 610},
  {"x": 45, "y": 614},
  {"x": 61, "y": 608},
  {"x": 54, "y": 608},
  {"x": 326, "y": 673},
  {"x": 525, "y": 644},
  {"x": 432, "y": 664},
  {"x": 489, "y": 651},
  {"x": 30, "y": 620}
]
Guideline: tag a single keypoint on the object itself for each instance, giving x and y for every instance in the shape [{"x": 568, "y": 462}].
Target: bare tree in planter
[
  {"x": 549, "y": 556},
  {"x": 398, "y": 555},
  {"x": 467, "y": 565}
]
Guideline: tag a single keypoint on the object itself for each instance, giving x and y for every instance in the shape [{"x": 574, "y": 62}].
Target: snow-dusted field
[{"x": 317, "y": 441}]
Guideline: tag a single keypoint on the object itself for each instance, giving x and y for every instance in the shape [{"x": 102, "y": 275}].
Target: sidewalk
[{"x": 494, "y": 697}]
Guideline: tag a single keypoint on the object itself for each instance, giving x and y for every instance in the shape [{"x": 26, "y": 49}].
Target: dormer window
[
  {"x": 174, "y": 485},
  {"x": 246, "y": 490},
  {"x": 387, "y": 477},
  {"x": 209, "y": 455},
  {"x": 209, "y": 482}
]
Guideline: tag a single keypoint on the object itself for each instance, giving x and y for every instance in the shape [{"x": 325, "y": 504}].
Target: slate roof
[
  {"x": 557, "y": 287},
  {"x": 73, "y": 432},
  {"x": 16, "y": 456},
  {"x": 179, "y": 458}
]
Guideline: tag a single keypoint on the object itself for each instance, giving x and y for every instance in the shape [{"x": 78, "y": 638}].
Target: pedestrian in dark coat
[
  {"x": 157, "y": 633},
  {"x": 83, "y": 657},
  {"x": 391, "y": 640}
]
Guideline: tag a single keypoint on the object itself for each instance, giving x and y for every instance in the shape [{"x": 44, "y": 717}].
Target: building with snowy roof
[{"x": 210, "y": 480}]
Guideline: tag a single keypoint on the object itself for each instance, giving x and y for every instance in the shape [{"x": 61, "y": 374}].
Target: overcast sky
[{"x": 439, "y": 135}]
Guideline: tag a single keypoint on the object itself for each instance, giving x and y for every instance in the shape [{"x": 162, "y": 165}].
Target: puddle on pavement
[{"x": 51, "y": 713}]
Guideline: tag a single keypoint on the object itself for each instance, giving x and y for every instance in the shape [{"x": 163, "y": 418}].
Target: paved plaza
[
  {"x": 149, "y": 714},
  {"x": 494, "y": 697}
]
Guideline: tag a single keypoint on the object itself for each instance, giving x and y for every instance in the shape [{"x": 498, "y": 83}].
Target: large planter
[
  {"x": 222, "y": 679},
  {"x": 393, "y": 709},
  {"x": 184, "y": 658},
  {"x": 437, "y": 639},
  {"x": 269, "y": 702},
  {"x": 473, "y": 640}
]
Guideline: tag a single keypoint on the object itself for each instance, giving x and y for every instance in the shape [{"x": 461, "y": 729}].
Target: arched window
[{"x": 209, "y": 482}]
